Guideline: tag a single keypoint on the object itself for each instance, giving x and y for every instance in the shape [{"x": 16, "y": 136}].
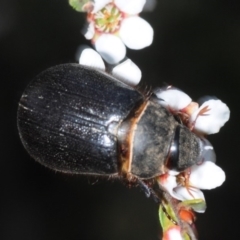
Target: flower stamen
[
  {"x": 183, "y": 180},
  {"x": 202, "y": 112},
  {"x": 108, "y": 19}
]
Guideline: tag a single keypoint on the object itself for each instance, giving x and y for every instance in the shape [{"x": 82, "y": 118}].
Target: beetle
[{"x": 77, "y": 119}]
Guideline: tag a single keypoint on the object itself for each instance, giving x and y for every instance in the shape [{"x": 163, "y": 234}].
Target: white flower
[
  {"x": 173, "y": 233},
  {"x": 127, "y": 71},
  {"x": 89, "y": 57},
  {"x": 112, "y": 24},
  {"x": 173, "y": 98},
  {"x": 149, "y": 5},
  {"x": 187, "y": 185},
  {"x": 210, "y": 116},
  {"x": 206, "y": 119}
]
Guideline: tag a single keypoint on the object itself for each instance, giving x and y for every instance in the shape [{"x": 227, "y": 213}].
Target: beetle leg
[{"x": 148, "y": 189}]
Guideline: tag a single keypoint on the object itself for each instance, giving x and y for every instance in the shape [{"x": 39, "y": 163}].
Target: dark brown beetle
[{"x": 76, "y": 119}]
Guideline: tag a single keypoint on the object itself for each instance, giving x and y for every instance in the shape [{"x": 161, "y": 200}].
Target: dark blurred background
[{"x": 196, "y": 48}]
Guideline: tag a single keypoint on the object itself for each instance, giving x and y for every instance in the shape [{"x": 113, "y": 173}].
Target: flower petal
[
  {"x": 136, "y": 33},
  {"x": 206, "y": 176},
  {"x": 130, "y": 6},
  {"x": 150, "y": 5},
  {"x": 210, "y": 117},
  {"x": 190, "y": 109},
  {"x": 111, "y": 48},
  {"x": 190, "y": 193},
  {"x": 173, "y": 98},
  {"x": 99, "y": 4},
  {"x": 128, "y": 72},
  {"x": 91, "y": 58},
  {"x": 173, "y": 172},
  {"x": 169, "y": 183},
  {"x": 88, "y": 31},
  {"x": 173, "y": 233}
]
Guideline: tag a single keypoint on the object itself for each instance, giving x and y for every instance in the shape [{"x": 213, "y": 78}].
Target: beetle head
[{"x": 188, "y": 149}]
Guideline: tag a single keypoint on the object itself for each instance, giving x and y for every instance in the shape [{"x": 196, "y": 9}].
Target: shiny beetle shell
[{"x": 80, "y": 120}]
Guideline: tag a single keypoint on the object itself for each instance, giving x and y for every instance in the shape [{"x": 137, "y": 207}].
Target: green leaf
[
  {"x": 166, "y": 216},
  {"x": 195, "y": 204},
  {"x": 81, "y": 5},
  {"x": 167, "y": 219},
  {"x": 165, "y": 222}
]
